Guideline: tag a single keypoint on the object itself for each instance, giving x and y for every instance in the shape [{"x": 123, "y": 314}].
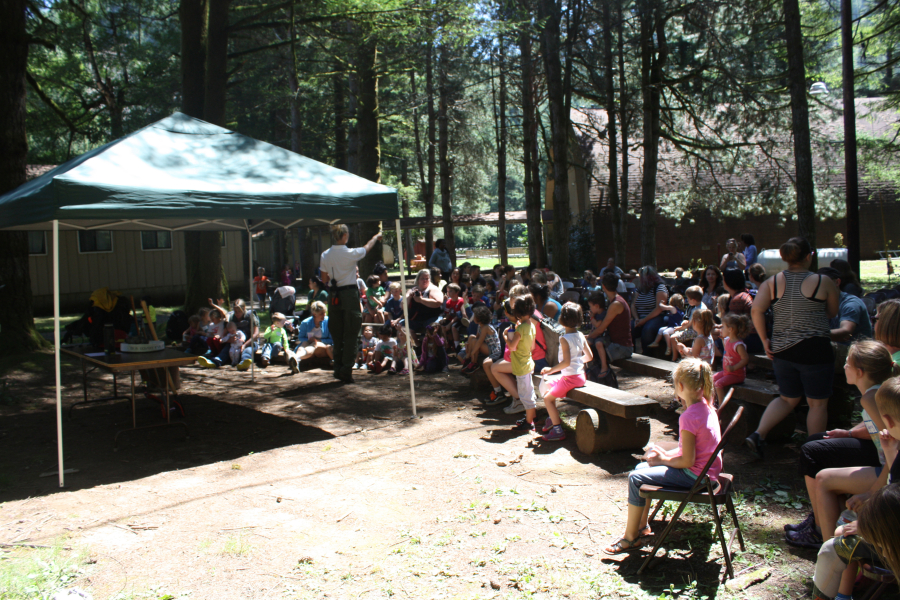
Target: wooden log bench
[
  {"x": 761, "y": 360},
  {"x": 754, "y": 395},
  {"x": 614, "y": 419}
]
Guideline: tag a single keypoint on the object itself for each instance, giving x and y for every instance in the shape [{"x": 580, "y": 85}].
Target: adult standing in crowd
[
  {"x": 611, "y": 268},
  {"x": 646, "y": 306},
  {"x": 747, "y": 247},
  {"x": 732, "y": 259},
  {"x": 338, "y": 265},
  {"x": 800, "y": 347},
  {"x": 440, "y": 258}
]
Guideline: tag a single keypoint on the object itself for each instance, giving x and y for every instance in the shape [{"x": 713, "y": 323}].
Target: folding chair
[
  {"x": 670, "y": 445},
  {"x": 713, "y": 494},
  {"x": 882, "y": 578}
]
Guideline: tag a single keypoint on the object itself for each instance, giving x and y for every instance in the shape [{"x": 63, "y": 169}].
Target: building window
[
  {"x": 37, "y": 242},
  {"x": 94, "y": 241},
  {"x": 156, "y": 240},
  {"x": 222, "y": 237}
]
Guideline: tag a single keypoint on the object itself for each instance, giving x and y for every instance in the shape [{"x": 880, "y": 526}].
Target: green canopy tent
[{"x": 183, "y": 174}]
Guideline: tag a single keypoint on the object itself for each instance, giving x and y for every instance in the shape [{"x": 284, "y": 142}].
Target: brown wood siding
[{"x": 128, "y": 268}]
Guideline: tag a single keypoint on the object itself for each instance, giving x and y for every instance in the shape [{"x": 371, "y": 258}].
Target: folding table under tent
[{"x": 183, "y": 174}]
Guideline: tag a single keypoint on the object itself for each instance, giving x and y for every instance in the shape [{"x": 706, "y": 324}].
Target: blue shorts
[{"x": 796, "y": 380}]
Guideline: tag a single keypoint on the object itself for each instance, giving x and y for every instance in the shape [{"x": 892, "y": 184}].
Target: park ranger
[{"x": 338, "y": 266}]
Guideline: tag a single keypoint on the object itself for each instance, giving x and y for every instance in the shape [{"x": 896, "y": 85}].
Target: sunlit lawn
[{"x": 873, "y": 274}]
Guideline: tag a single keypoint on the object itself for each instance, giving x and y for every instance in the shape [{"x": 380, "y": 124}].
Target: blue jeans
[
  {"x": 647, "y": 332},
  {"x": 664, "y": 476},
  {"x": 271, "y": 351},
  {"x": 224, "y": 356}
]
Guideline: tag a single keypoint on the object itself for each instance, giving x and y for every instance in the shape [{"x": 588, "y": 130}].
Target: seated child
[
  {"x": 433, "y": 358},
  {"x": 383, "y": 355},
  {"x": 215, "y": 331},
  {"x": 393, "y": 306},
  {"x": 735, "y": 328},
  {"x": 873, "y": 536},
  {"x": 276, "y": 339},
  {"x": 485, "y": 344},
  {"x": 366, "y": 347},
  {"x": 235, "y": 338},
  {"x": 194, "y": 329},
  {"x": 374, "y": 301},
  {"x": 703, "y": 346},
  {"x": 574, "y": 351},
  {"x": 453, "y": 307},
  {"x": 684, "y": 333},
  {"x": 698, "y": 436},
  {"x": 673, "y": 318},
  {"x": 401, "y": 355}
]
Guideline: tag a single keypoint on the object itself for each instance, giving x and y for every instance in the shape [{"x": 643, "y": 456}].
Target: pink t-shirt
[
  {"x": 732, "y": 357},
  {"x": 701, "y": 420}
]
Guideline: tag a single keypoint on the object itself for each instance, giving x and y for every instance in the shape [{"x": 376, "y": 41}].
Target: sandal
[{"x": 623, "y": 546}]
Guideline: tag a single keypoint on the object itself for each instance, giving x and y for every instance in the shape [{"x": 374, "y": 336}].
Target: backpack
[
  {"x": 175, "y": 326},
  {"x": 592, "y": 373},
  {"x": 547, "y": 323}
]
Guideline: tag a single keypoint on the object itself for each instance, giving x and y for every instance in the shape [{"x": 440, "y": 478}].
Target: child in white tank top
[{"x": 574, "y": 351}]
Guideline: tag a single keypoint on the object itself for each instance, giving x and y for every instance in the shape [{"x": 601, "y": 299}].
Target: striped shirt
[
  {"x": 797, "y": 318},
  {"x": 646, "y": 301}
]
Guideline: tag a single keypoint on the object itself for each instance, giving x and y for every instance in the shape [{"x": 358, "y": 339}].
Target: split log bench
[
  {"x": 753, "y": 395},
  {"x": 761, "y": 360},
  {"x": 614, "y": 419}
]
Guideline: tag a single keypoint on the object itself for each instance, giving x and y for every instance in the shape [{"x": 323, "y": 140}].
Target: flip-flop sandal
[{"x": 623, "y": 546}]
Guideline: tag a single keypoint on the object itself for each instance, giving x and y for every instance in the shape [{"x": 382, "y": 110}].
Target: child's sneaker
[
  {"x": 497, "y": 398},
  {"x": 205, "y": 362},
  {"x": 292, "y": 363},
  {"x": 556, "y": 434},
  {"x": 523, "y": 425},
  {"x": 469, "y": 368},
  {"x": 244, "y": 364},
  {"x": 515, "y": 407},
  {"x": 668, "y": 351},
  {"x": 653, "y": 345},
  {"x": 548, "y": 425}
]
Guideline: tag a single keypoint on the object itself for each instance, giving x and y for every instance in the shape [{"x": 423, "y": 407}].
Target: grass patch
[
  {"x": 236, "y": 546},
  {"x": 32, "y": 362},
  {"x": 27, "y": 573},
  {"x": 873, "y": 274}
]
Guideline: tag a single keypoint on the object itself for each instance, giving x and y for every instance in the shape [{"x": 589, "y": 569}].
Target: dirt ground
[{"x": 298, "y": 487}]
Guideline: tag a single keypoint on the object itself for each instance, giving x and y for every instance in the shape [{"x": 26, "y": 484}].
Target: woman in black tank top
[{"x": 800, "y": 347}]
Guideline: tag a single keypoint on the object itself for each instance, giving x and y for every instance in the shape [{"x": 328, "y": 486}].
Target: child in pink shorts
[
  {"x": 735, "y": 327},
  {"x": 574, "y": 351}
]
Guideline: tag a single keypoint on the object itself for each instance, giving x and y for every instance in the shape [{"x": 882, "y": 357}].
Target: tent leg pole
[
  {"x": 409, "y": 350},
  {"x": 56, "y": 347},
  {"x": 250, "y": 298}
]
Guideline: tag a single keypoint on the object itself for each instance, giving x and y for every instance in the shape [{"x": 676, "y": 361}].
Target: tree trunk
[
  {"x": 611, "y": 136},
  {"x": 624, "y": 120},
  {"x": 549, "y": 12},
  {"x": 404, "y": 212},
  {"x": 806, "y": 199},
  {"x": 501, "y": 157},
  {"x": 17, "y": 333},
  {"x": 340, "y": 122},
  {"x": 420, "y": 162},
  {"x": 204, "y": 43},
  {"x": 850, "y": 163},
  {"x": 369, "y": 148},
  {"x": 653, "y": 56},
  {"x": 432, "y": 144},
  {"x": 446, "y": 171},
  {"x": 536, "y": 254}
]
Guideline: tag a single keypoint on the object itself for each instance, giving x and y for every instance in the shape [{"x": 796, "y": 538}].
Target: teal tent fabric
[{"x": 182, "y": 173}]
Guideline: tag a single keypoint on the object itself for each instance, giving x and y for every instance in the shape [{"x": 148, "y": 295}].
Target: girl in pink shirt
[
  {"x": 735, "y": 327},
  {"x": 698, "y": 436}
]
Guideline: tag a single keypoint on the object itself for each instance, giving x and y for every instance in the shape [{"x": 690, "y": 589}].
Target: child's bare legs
[
  {"x": 488, "y": 370},
  {"x": 378, "y": 316},
  {"x": 720, "y": 395},
  {"x": 503, "y": 375},
  {"x": 531, "y": 415},
  {"x": 848, "y": 579},
  {"x": 601, "y": 354},
  {"x": 831, "y": 484},
  {"x": 552, "y": 411},
  {"x": 673, "y": 344}
]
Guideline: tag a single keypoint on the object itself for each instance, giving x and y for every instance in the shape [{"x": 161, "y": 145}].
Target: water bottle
[
  {"x": 109, "y": 338},
  {"x": 848, "y": 516}
]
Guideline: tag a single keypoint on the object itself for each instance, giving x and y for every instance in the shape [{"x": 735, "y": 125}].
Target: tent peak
[{"x": 179, "y": 122}]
